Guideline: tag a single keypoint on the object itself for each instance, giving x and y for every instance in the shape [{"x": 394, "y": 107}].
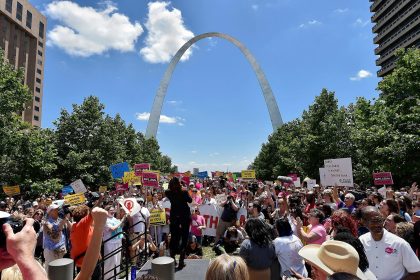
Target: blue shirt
[{"x": 54, "y": 239}]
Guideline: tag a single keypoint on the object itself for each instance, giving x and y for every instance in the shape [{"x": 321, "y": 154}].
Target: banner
[
  {"x": 66, "y": 190},
  {"x": 78, "y": 186},
  {"x": 11, "y": 190},
  {"x": 157, "y": 217},
  {"x": 150, "y": 179},
  {"x": 103, "y": 189},
  {"x": 248, "y": 174},
  {"x": 322, "y": 177},
  {"x": 75, "y": 199},
  {"x": 339, "y": 171},
  {"x": 139, "y": 167},
  {"x": 202, "y": 174},
  {"x": 382, "y": 178},
  {"x": 118, "y": 169}
]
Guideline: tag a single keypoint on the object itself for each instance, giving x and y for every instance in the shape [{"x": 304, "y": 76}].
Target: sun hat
[
  {"x": 333, "y": 256},
  {"x": 52, "y": 207}
]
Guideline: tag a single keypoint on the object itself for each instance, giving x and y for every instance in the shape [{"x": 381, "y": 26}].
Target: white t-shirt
[
  {"x": 287, "y": 248},
  {"x": 391, "y": 257},
  {"x": 139, "y": 217}
]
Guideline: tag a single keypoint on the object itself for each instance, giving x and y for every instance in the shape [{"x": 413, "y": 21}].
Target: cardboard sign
[
  {"x": 311, "y": 184},
  {"x": 339, "y": 171},
  {"x": 322, "y": 176},
  {"x": 150, "y": 179},
  {"x": 118, "y": 169},
  {"x": 202, "y": 174},
  {"x": 66, "y": 190},
  {"x": 157, "y": 217},
  {"x": 103, "y": 189},
  {"x": 11, "y": 190},
  {"x": 78, "y": 186},
  {"x": 75, "y": 199},
  {"x": 382, "y": 178},
  {"x": 139, "y": 167},
  {"x": 248, "y": 174}
]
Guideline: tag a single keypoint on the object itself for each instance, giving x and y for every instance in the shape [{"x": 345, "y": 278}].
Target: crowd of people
[{"x": 289, "y": 232}]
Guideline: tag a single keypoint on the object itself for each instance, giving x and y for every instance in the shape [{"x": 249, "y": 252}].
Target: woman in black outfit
[{"x": 180, "y": 219}]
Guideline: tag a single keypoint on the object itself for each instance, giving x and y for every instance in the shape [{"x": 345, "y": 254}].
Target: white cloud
[
  {"x": 163, "y": 119},
  {"x": 193, "y": 151},
  {"x": 166, "y": 34},
  {"x": 341, "y": 11},
  {"x": 310, "y": 23},
  {"x": 255, "y": 7},
  {"x": 214, "y": 154},
  {"x": 362, "y": 74},
  {"x": 361, "y": 23},
  {"x": 86, "y": 31},
  {"x": 175, "y": 102}
]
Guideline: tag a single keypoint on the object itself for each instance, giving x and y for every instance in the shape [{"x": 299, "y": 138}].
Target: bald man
[{"x": 390, "y": 257}]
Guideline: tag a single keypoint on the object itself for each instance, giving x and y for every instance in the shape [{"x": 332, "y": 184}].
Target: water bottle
[{"x": 133, "y": 273}]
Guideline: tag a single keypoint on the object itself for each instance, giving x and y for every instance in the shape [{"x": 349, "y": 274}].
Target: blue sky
[{"x": 215, "y": 117}]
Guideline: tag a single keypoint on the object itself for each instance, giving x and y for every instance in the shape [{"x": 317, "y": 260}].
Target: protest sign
[
  {"x": 202, "y": 174},
  {"x": 75, "y": 199},
  {"x": 211, "y": 217},
  {"x": 157, "y": 217},
  {"x": 130, "y": 205},
  {"x": 248, "y": 174},
  {"x": 186, "y": 180},
  {"x": 78, "y": 186},
  {"x": 150, "y": 179},
  {"x": 131, "y": 177},
  {"x": 121, "y": 187},
  {"x": 139, "y": 167},
  {"x": 297, "y": 182},
  {"x": 338, "y": 172},
  {"x": 11, "y": 190},
  {"x": 66, "y": 190},
  {"x": 103, "y": 189},
  {"x": 322, "y": 177},
  {"x": 220, "y": 198},
  {"x": 118, "y": 169},
  {"x": 165, "y": 186},
  {"x": 382, "y": 191},
  {"x": 311, "y": 184},
  {"x": 382, "y": 178}
]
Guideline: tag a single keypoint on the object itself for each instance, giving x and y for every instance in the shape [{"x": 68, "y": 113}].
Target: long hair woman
[
  {"x": 258, "y": 251},
  {"x": 180, "y": 219}
]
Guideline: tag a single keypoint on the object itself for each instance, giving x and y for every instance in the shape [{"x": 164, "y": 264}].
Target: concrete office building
[
  {"x": 22, "y": 37},
  {"x": 397, "y": 25}
]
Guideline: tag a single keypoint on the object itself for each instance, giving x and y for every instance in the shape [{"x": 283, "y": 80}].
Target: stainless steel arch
[{"x": 272, "y": 107}]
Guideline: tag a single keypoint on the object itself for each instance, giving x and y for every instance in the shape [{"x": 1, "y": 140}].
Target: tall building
[
  {"x": 397, "y": 25},
  {"x": 22, "y": 37}
]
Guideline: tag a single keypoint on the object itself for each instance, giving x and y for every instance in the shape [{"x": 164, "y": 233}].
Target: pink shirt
[
  {"x": 321, "y": 232},
  {"x": 196, "y": 221}
]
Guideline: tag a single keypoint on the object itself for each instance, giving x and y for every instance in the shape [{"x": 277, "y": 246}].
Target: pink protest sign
[
  {"x": 121, "y": 187},
  {"x": 150, "y": 179},
  {"x": 382, "y": 178},
  {"x": 138, "y": 168}
]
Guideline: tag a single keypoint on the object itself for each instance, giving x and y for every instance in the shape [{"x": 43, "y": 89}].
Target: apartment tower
[
  {"x": 397, "y": 25},
  {"x": 22, "y": 37}
]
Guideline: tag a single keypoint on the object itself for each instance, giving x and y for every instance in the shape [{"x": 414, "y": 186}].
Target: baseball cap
[
  {"x": 52, "y": 207},
  {"x": 34, "y": 203}
]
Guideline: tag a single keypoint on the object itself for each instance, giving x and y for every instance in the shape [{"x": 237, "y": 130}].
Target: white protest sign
[
  {"x": 322, "y": 176},
  {"x": 78, "y": 186},
  {"x": 220, "y": 198},
  {"x": 131, "y": 205},
  {"x": 297, "y": 182},
  {"x": 338, "y": 171},
  {"x": 382, "y": 191},
  {"x": 311, "y": 184},
  {"x": 211, "y": 217}
]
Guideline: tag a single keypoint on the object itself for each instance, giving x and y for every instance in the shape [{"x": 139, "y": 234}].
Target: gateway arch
[{"x": 272, "y": 107}]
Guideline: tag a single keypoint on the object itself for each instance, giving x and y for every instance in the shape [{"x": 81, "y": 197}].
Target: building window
[
  {"x": 41, "y": 30},
  {"x": 40, "y": 44},
  {"x": 36, "y": 108},
  {"x": 9, "y": 5},
  {"x": 39, "y": 71},
  {"x": 39, "y": 61},
  {"x": 28, "y": 19},
  {"x": 36, "y": 118},
  {"x": 37, "y": 99},
  {"x": 37, "y": 89},
  {"x": 19, "y": 10},
  {"x": 39, "y": 53},
  {"x": 38, "y": 80}
]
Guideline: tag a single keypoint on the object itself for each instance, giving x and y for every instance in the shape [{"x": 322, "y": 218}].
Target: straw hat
[{"x": 333, "y": 256}]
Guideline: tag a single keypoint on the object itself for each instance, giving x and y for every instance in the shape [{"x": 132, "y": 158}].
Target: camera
[
  {"x": 92, "y": 198},
  {"x": 65, "y": 209},
  {"x": 15, "y": 224}
]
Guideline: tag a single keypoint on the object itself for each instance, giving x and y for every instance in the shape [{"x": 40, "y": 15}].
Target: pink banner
[
  {"x": 139, "y": 167},
  {"x": 382, "y": 178},
  {"x": 150, "y": 179},
  {"x": 121, "y": 187}
]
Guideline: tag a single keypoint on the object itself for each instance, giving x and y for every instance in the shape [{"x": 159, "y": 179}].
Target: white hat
[
  {"x": 333, "y": 256},
  {"x": 52, "y": 207}
]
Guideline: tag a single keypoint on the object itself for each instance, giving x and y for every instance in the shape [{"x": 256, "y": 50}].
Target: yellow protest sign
[
  {"x": 248, "y": 174},
  {"x": 74, "y": 199},
  {"x": 11, "y": 190},
  {"x": 219, "y": 174},
  {"x": 157, "y": 217},
  {"x": 103, "y": 189},
  {"x": 129, "y": 177}
]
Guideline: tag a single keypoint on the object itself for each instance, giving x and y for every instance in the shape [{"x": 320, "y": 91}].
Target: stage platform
[{"x": 194, "y": 270}]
